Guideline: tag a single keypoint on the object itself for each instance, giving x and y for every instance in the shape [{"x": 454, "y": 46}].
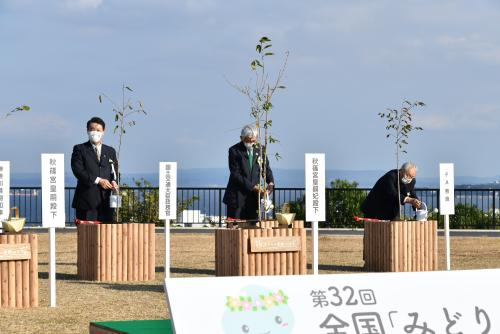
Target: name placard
[
  {"x": 10, "y": 252},
  {"x": 315, "y": 187},
  {"x": 4, "y": 189},
  {"x": 53, "y": 213},
  {"x": 168, "y": 190},
  {"x": 385, "y": 303},
  {"x": 274, "y": 244},
  {"x": 446, "y": 189}
]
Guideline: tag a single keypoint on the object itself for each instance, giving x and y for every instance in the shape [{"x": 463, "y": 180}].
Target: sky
[{"x": 348, "y": 61}]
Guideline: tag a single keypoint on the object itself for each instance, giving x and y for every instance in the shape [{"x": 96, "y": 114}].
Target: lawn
[{"x": 80, "y": 302}]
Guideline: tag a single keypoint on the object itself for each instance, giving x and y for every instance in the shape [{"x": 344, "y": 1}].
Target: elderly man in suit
[
  {"x": 94, "y": 166},
  {"x": 241, "y": 196},
  {"x": 382, "y": 201}
]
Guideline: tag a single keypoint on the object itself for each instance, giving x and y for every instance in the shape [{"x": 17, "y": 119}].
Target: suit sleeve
[
  {"x": 78, "y": 167},
  {"x": 236, "y": 173},
  {"x": 390, "y": 188},
  {"x": 413, "y": 194}
]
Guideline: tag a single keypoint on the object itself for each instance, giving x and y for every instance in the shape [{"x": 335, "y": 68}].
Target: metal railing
[{"x": 475, "y": 208}]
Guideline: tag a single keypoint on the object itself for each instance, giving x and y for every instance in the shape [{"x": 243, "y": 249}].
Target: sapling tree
[
  {"x": 124, "y": 118},
  {"x": 399, "y": 126},
  {"x": 260, "y": 91}
]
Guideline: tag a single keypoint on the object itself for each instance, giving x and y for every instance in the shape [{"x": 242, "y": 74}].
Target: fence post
[
  {"x": 494, "y": 206},
  {"x": 220, "y": 207}
]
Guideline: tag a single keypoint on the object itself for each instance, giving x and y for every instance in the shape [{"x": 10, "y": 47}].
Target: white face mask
[
  {"x": 95, "y": 137},
  {"x": 406, "y": 180},
  {"x": 249, "y": 146}
]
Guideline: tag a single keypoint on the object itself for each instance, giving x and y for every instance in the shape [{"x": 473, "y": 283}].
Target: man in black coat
[
  {"x": 382, "y": 201},
  {"x": 241, "y": 196},
  {"x": 95, "y": 166}
]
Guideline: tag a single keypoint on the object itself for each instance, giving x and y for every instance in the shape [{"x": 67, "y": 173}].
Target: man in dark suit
[
  {"x": 95, "y": 166},
  {"x": 382, "y": 201},
  {"x": 241, "y": 196}
]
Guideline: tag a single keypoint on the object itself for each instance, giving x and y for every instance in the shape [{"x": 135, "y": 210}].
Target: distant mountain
[{"x": 217, "y": 177}]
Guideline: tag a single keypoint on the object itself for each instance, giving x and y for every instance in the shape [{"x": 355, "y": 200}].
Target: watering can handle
[{"x": 423, "y": 206}]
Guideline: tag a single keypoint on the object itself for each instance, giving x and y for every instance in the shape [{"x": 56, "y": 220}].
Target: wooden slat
[
  {"x": 277, "y": 257},
  {"x": 12, "y": 275},
  {"x": 246, "y": 269},
  {"x": 140, "y": 262},
  {"x": 251, "y": 256},
  {"x": 33, "y": 268},
  {"x": 152, "y": 252},
  {"x": 282, "y": 254},
  {"x": 303, "y": 252},
  {"x": 119, "y": 252},
  {"x": 296, "y": 255},
  {"x": 258, "y": 256},
  {"x": 289, "y": 255}
]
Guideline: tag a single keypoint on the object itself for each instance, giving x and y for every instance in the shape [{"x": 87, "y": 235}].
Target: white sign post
[
  {"x": 53, "y": 213},
  {"x": 315, "y": 198},
  {"x": 447, "y": 202},
  {"x": 4, "y": 190},
  {"x": 167, "y": 203}
]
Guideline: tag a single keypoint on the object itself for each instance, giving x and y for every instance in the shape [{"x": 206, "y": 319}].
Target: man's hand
[
  {"x": 256, "y": 188},
  {"x": 270, "y": 187},
  {"x": 415, "y": 203},
  {"x": 114, "y": 185},
  {"x": 105, "y": 184}
]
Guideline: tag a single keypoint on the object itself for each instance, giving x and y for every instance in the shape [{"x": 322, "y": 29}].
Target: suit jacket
[
  {"x": 86, "y": 168},
  {"x": 381, "y": 202},
  {"x": 242, "y": 178}
]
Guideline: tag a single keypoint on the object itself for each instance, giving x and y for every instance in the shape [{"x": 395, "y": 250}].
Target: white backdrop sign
[
  {"x": 168, "y": 190},
  {"x": 446, "y": 189},
  {"x": 387, "y": 303},
  {"x": 4, "y": 189},
  {"x": 53, "y": 205},
  {"x": 315, "y": 187}
]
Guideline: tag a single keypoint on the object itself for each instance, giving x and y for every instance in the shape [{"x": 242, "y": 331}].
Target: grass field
[{"x": 80, "y": 302}]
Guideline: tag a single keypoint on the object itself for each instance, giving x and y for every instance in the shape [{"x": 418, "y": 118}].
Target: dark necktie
[{"x": 97, "y": 154}]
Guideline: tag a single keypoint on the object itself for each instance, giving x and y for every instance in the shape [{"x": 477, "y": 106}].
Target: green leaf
[
  {"x": 25, "y": 108},
  {"x": 268, "y": 54},
  {"x": 116, "y": 118},
  {"x": 267, "y": 46},
  {"x": 264, "y": 39},
  {"x": 281, "y": 87},
  {"x": 258, "y": 48},
  {"x": 116, "y": 128},
  {"x": 100, "y": 99},
  {"x": 128, "y": 88},
  {"x": 277, "y": 156}
]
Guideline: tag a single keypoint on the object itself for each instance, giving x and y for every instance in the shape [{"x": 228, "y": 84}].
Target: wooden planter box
[
  {"x": 116, "y": 252},
  {"x": 18, "y": 270},
  {"x": 399, "y": 246},
  {"x": 260, "y": 251}
]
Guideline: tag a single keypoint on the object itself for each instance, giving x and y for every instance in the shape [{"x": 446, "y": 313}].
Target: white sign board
[
  {"x": 4, "y": 189},
  {"x": 446, "y": 189},
  {"x": 386, "y": 303},
  {"x": 168, "y": 190},
  {"x": 53, "y": 205},
  {"x": 315, "y": 187}
]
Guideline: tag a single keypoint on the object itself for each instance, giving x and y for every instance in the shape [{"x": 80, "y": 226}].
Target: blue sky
[{"x": 348, "y": 61}]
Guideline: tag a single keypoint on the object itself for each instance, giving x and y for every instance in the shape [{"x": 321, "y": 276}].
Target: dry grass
[{"x": 80, "y": 302}]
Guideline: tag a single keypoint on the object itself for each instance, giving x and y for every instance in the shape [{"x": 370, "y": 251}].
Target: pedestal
[
  {"x": 116, "y": 252},
  {"x": 400, "y": 246},
  {"x": 260, "y": 251},
  {"x": 18, "y": 270}
]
